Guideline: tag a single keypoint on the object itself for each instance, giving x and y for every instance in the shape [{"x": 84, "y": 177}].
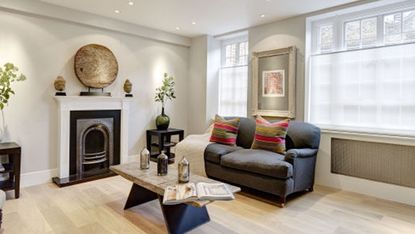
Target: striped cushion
[
  {"x": 270, "y": 136},
  {"x": 225, "y": 131}
]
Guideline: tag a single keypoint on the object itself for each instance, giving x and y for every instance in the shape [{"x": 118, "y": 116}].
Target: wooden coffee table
[{"x": 147, "y": 186}]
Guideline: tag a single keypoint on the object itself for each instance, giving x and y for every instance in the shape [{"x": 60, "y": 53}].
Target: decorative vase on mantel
[{"x": 162, "y": 121}]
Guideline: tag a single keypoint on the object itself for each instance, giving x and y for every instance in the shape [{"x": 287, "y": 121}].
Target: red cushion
[
  {"x": 270, "y": 136},
  {"x": 225, "y": 131}
]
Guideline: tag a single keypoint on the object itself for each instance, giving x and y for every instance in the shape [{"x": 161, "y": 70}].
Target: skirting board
[
  {"x": 45, "y": 176},
  {"x": 371, "y": 188}
]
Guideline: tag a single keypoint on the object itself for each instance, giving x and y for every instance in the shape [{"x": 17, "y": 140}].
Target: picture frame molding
[{"x": 292, "y": 53}]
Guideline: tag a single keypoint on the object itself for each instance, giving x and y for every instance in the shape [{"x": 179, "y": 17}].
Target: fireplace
[
  {"x": 94, "y": 141},
  {"x": 93, "y": 135}
]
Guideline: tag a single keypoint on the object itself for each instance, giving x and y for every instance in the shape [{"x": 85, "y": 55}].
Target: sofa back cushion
[
  {"x": 225, "y": 131},
  {"x": 246, "y": 133},
  {"x": 302, "y": 135},
  {"x": 270, "y": 136}
]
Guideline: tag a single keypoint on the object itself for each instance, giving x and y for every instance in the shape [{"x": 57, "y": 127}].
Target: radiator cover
[{"x": 383, "y": 162}]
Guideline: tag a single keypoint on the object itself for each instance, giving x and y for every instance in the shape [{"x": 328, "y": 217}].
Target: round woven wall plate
[{"x": 96, "y": 66}]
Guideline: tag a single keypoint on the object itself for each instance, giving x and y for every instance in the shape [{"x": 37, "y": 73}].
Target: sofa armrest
[
  {"x": 299, "y": 153},
  {"x": 304, "y": 163}
]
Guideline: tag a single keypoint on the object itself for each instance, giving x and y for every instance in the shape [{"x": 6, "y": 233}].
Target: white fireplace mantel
[{"x": 66, "y": 104}]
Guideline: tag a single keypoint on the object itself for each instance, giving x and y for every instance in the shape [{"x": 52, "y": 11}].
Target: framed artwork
[
  {"x": 273, "y": 87},
  {"x": 273, "y": 83}
]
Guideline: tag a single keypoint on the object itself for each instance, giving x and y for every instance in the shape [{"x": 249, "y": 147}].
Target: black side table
[
  {"x": 13, "y": 151},
  {"x": 163, "y": 142}
]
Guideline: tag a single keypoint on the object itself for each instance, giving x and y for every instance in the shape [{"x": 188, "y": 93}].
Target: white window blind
[
  {"x": 233, "y": 80},
  {"x": 362, "y": 78}
]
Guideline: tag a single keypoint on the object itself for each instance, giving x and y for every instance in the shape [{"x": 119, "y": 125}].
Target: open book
[{"x": 181, "y": 193}]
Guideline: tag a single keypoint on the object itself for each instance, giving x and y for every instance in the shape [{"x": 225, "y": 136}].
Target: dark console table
[
  {"x": 163, "y": 142},
  {"x": 13, "y": 151}
]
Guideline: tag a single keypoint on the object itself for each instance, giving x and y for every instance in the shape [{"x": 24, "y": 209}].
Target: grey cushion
[
  {"x": 302, "y": 135},
  {"x": 251, "y": 180},
  {"x": 246, "y": 132},
  {"x": 214, "y": 152},
  {"x": 258, "y": 161}
]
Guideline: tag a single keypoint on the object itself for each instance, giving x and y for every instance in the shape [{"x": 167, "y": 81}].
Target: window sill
[{"x": 381, "y": 134}]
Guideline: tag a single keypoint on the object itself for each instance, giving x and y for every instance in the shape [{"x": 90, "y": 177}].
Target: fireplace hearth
[{"x": 94, "y": 145}]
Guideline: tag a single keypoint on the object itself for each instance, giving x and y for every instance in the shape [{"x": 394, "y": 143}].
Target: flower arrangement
[
  {"x": 166, "y": 91},
  {"x": 9, "y": 74}
]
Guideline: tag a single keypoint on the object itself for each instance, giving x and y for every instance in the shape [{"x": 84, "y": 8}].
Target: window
[
  {"x": 326, "y": 42},
  {"x": 399, "y": 27},
  {"x": 361, "y": 33},
  {"x": 233, "y": 80},
  {"x": 362, "y": 78}
]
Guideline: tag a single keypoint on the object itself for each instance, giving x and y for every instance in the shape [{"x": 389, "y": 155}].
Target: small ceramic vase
[
  {"x": 128, "y": 87},
  {"x": 60, "y": 84}
]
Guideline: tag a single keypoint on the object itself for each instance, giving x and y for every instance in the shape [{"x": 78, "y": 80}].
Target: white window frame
[
  {"x": 237, "y": 41},
  {"x": 379, "y": 21},
  {"x": 340, "y": 17}
]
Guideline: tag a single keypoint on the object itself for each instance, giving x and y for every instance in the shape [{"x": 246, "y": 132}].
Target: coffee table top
[{"x": 149, "y": 179}]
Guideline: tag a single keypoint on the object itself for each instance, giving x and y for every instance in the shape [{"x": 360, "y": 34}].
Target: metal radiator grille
[{"x": 389, "y": 163}]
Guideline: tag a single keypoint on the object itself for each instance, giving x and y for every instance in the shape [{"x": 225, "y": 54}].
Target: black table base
[{"x": 179, "y": 218}]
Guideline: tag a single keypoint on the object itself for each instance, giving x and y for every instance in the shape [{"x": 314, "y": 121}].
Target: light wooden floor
[{"x": 97, "y": 207}]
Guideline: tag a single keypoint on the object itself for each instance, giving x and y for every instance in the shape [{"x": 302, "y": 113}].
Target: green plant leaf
[
  {"x": 166, "y": 91},
  {"x": 8, "y": 75}
]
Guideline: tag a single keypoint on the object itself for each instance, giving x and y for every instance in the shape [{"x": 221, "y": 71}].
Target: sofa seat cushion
[
  {"x": 258, "y": 161},
  {"x": 214, "y": 152}
]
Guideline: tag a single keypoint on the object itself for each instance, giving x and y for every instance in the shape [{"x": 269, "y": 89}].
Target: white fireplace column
[{"x": 66, "y": 104}]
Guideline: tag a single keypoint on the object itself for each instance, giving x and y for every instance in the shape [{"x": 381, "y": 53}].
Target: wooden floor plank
[{"x": 97, "y": 207}]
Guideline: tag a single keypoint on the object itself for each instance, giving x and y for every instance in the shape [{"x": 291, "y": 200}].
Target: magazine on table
[{"x": 181, "y": 193}]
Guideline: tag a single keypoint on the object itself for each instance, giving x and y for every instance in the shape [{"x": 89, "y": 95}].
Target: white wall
[
  {"x": 204, "y": 67},
  {"x": 196, "y": 110},
  {"x": 43, "y": 48},
  {"x": 212, "y": 77},
  {"x": 277, "y": 35}
]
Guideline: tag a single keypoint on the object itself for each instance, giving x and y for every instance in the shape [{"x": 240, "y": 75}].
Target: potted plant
[
  {"x": 164, "y": 93},
  {"x": 9, "y": 74}
]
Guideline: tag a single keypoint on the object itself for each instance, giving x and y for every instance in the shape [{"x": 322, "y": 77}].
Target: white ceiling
[{"x": 212, "y": 17}]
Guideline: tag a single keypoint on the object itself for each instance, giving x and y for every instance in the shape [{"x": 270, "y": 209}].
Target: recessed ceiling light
[
  {"x": 193, "y": 22},
  {"x": 131, "y": 3},
  {"x": 177, "y": 28},
  {"x": 262, "y": 16},
  {"x": 117, "y": 11}
]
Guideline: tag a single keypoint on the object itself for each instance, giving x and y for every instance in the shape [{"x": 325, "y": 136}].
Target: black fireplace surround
[{"x": 94, "y": 145}]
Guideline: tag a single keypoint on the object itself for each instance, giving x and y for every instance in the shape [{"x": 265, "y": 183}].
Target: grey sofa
[{"x": 267, "y": 171}]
